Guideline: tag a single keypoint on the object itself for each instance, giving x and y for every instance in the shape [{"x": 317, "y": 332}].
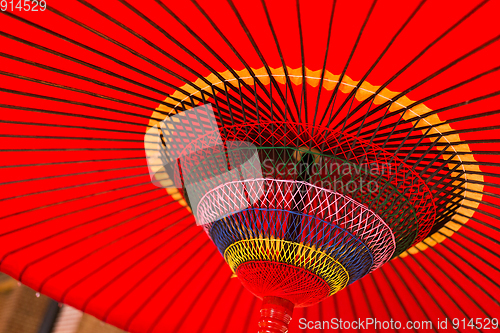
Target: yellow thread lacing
[{"x": 299, "y": 255}]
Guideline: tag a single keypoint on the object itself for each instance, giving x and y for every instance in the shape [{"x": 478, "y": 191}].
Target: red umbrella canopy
[{"x": 83, "y": 81}]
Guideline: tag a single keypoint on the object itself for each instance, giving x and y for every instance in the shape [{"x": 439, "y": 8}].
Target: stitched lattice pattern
[
  {"x": 265, "y": 194},
  {"x": 295, "y": 227},
  {"x": 265, "y": 278},
  {"x": 402, "y": 198},
  {"x": 384, "y": 199},
  {"x": 277, "y": 250},
  {"x": 328, "y": 206}
]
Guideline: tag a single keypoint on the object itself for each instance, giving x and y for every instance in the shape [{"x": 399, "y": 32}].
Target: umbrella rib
[
  {"x": 401, "y": 305},
  {"x": 104, "y": 71},
  {"x": 285, "y": 69},
  {"x": 135, "y": 53},
  {"x": 352, "y": 306},
  {"x": 425, "y": 115},
  {"x": 89, "y": 237},
  {"x": 440, "y": 144},
  {"x": 97, "y": 129},
  {"x": 145, "y": 40},
  {"x": 380, "y": 295},
  {"x": 253, "y": 307},
  {"x": 75, "y": 174},
  {"x": 59, "y": 113},
  {"x": 92, "y": 106},
  {"x": 303, "y": 67},
  {"x": 421, "y": 101},
  {"x": 490, "y": 204},
  {"x": 161, "y": 286},
  {"x": 455, "y": 283},
  {"x": 365, "y": 298},
  {"x": 405, "y": 284},
  {"x": 453, "y": 27},
  {"x": 81, "y": 77},
  {"x": 69, "y": 149},
  {"x": 341, "y": 78},
  {"x": 167, "y": 35},
  {"x": 79, "y": 210},
  {"x": 83, "y": 138},
  {"x": 232, "y": 307},
  {"x": 323, "y": 69},
  {"x": 86, "y": 64},
  {"x": 229, "y": 44},
  {"x": 426, "y": 289},
  {"x": 86, "y": 47},
  {"x": 478, "y": 221},
  {"x": 433, "y": 75},
  {"x": 53, "y": 274},
  {"x": 362, "y": 80},
  {"x": 261, "y": 57},
  {"x": 188, "y": 281},
  {"x": 138, "y": 261},
  {"x": 463, "y": 272},
  {"x": 72, "y": 162},
  {"x": 471, "y": 251},
  {"x": 165, "y": 280},
  {"x": 428, "y": 159},
  {"x": 70, "y": 187},
  {"x": 208, "y": 314},
  {"x": 437, "y": 283},
  {"x": 209, "y": 49}
]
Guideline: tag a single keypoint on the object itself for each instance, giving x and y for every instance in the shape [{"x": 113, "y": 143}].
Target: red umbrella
[{"x": 83, "y": 81}]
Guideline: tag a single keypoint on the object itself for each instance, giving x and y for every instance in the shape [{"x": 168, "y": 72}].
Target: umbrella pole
[{"x": 275, "y": 315}]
